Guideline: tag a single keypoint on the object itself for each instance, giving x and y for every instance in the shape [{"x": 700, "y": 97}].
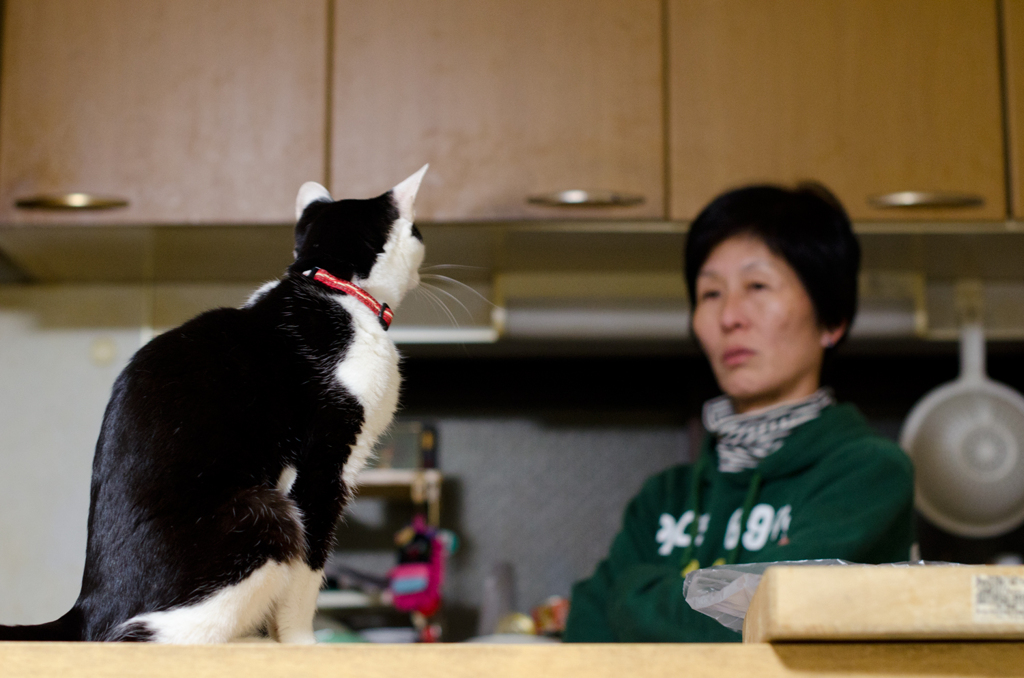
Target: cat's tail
[{"x": 68, "y": 627}]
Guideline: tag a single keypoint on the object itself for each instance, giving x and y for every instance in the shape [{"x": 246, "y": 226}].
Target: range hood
[{"x": 536, "y": 281}]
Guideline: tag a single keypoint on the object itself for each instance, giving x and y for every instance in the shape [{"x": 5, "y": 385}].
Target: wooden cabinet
[
  {"x": 192, "y": 111},
  {"x": 1013, "y": 41},
  {"x": 504, "y": 99},
  {"x": 867, "y": 96},
  {"x": 215, "y": 112}
]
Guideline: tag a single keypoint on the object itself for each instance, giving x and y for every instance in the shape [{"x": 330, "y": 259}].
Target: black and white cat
[{"x": 231, "y": 444}]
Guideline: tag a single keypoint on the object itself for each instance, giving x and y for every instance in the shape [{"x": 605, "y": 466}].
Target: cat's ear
[
  {"x": 404, "y": 194},
  {"x": 310, "y": 192}
]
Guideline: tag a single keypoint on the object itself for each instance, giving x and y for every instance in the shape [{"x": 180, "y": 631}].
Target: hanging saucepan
[{"x": 966, "y": 439}]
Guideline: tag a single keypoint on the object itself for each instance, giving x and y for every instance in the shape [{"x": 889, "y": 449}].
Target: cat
[{"x": 231, "y": 444}]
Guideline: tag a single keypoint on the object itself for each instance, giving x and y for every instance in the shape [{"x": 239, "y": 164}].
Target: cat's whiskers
[
  {"x": 453, "y": 281},
  {"x": 430, "y": 267},
  {"x": 439, "y": 290},
  {"x": 430, "y": 296}
]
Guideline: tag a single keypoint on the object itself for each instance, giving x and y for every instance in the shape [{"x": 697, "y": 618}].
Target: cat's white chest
[{"x": 369, "y": 371}]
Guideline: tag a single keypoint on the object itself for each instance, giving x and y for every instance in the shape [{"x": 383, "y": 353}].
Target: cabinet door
[
  {"x": 869, "y": 97},
  {"x": 1013, "y": 35},
  {"x": 504, "y": 98},
  {"x": 192, "y": 111}
]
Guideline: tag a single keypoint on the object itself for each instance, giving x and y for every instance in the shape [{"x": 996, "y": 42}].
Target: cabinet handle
[
  {"x": 70, "y": 201},
  {"x": 580, "y": 198},
  {"x": 904, "y": 199}
]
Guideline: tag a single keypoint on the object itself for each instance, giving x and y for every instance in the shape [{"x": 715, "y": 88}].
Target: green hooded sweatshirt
[{"x": 835, "y": 489}]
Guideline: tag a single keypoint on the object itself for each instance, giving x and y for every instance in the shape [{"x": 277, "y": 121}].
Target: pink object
[{"x": 416, "y": 587}]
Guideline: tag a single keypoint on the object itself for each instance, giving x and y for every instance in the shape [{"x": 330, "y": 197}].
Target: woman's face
[{"x": 757, "y": 325}]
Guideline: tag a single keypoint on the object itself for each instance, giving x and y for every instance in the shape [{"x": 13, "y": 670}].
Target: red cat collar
[{"x": 383, "y": 311}]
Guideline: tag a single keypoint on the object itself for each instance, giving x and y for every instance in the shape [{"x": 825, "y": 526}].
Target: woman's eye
[
  {"x": 757, "y": 286},
  {"x": 708, "y": 294}
]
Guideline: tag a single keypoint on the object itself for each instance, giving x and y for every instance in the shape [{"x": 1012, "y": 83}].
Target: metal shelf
[
  {"x": 346, "y": 600},
  {"x": 422, "y": 486}
]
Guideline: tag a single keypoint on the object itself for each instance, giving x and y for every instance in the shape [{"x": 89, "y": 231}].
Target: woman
[{"x": 784, "y": 473}]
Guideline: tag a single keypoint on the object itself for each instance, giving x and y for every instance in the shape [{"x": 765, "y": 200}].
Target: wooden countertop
[{"x": 848, "y": 660}]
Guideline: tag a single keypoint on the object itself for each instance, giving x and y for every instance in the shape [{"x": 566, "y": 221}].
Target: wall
[
  {"x": 547, "y": 499},
  {"x": 60, "y": 350},
  {"x": 61, "y": 347}
]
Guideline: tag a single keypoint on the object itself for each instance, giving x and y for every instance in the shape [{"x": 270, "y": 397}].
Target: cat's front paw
[{"x": 298, "y": 638}]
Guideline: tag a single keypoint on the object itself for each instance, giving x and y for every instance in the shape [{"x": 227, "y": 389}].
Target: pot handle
[{"x": 972, "y": 352}]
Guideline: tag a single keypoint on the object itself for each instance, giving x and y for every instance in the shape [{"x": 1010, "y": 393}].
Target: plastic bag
[{"x": 723, "y": 592}]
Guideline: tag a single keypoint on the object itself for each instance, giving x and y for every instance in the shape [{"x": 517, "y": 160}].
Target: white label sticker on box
[{"x": 998, "y": 598}]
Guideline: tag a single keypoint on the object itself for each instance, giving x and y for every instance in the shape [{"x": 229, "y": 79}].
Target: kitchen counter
[{"x": 849, "y": 660}]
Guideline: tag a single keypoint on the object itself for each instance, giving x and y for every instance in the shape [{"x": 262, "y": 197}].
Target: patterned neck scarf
[{"x": 745, "y": 439}]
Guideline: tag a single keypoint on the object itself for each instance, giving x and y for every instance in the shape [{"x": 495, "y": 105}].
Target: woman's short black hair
[{"x": 806, "y": 226}]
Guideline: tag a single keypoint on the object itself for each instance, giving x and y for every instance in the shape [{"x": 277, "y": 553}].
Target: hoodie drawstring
[
  {"x": 748, "y": 504},
  {"x": 694, "y": 505}
]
